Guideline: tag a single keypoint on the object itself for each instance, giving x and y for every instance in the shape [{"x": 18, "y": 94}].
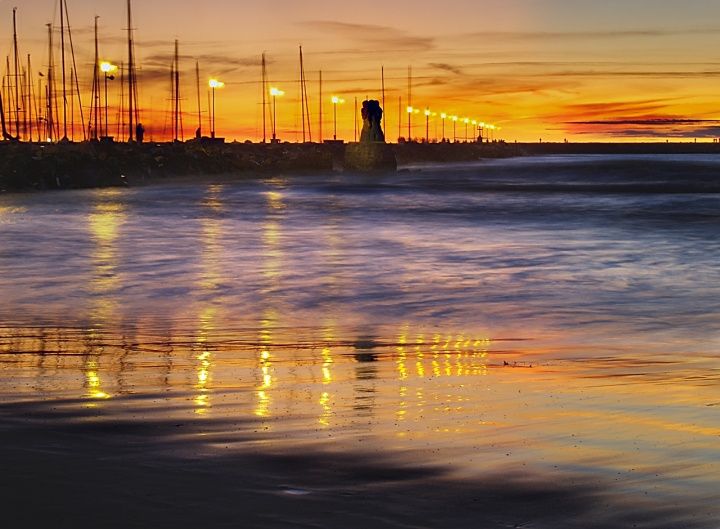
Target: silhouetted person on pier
[
  {"x": 372, "y": 118},
  {"x": 139, "y": 132},
  {"x": 198, "y": 133}
]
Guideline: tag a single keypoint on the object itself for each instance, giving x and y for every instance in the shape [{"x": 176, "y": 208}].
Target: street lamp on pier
[
  {"x": 337, "y": 101},
  {"x": 275, "y": 93},
  {"x": 214, "y": 83},
  {"x": 108, "y": 69}
]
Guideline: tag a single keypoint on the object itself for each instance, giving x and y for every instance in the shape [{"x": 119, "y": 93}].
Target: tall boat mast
[
  {"x": 199, "y": 107},
  {"x": 409, "y": 103},
  {"x": 320, "y": 111},
  {"x": 74, "y": 66},
  {"x": 62, "y": 58},
  {"x": 29, "y": 98},
  {"x": 176, "y": 79},
  {"x": 16, "y": 61},
  {"x": 382, "y": 74},
  {"x": 95, "y": 103},
  {"x": 264, "y": 97},
  {"x": 5, "y": 132},
  {"x": 50, "y": 116},
  {"x": 304, "y": 110},
  {"x": 399, "y": 118},
  {"x": 121, "y": 112},
  {"x": 132, "y": 90}
]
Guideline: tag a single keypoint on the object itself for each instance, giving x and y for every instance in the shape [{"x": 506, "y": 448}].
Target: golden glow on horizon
[{"x": 535, "y": 79}]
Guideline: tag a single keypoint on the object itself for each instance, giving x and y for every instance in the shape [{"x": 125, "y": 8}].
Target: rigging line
[{"x": 77, "y": 82}]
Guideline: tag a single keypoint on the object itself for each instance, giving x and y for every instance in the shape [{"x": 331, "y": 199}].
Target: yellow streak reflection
[
  {"x": 104, "y": 222},
  {"x": 93, "y": 382}
]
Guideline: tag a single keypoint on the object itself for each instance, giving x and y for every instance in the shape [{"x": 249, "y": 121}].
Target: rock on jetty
[{"x": 370, "y": 157}]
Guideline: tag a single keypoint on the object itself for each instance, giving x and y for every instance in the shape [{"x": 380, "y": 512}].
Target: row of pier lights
[{"x": 486, "y": 131}]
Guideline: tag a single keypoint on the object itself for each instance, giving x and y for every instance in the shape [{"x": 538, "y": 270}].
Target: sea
[{"x": 535, "y": 331}]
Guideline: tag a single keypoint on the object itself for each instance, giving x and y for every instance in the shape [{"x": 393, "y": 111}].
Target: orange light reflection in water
[{"x": 624, "y": 416}]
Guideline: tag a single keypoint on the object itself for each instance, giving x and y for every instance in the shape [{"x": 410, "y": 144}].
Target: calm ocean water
[{"x": 559, "y": 312}]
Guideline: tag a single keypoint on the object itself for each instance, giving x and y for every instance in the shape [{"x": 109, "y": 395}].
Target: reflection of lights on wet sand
[
  {"x": 272, "y": 272},
  {"x": 327, "y": 411},
  {"x": 263, "y": 404},
  {"x": 202, "y": 400},
  {"x": 327, "y": 360},
  {"x": 265, "y": 363},
  {"x": 94, "y": 383},
  {"x": 104, "y": 221}
]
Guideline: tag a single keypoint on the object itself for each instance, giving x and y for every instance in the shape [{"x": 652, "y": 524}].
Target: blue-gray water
[{"x": 558, "y": 312}]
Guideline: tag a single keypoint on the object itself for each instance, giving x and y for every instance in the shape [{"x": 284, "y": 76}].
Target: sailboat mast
[
  {"x": 321, "y": 117},
  {"x": 177, "y": 91},
  {"x": 29, "y": 97},
  {"x": 50, "y": 118},
  {"x": 131, "y": 72},
  {"x": 62, "y": 58},
  {"x": 382, "y": 74},
  {"x": 17, "y": 75},
  {"x": 74, "y": 65},
  {"x": 95, "y": 110},
  {"x": 409, "y": 103},
  {"x": 121, "y": 113},
  {"x": 72, "y": 105},
  {"x": 302, "y": 97},
  {"x": 399, "y": 118},
  {"x": 264, "y": 97},
  {"x": 199, "y": 107}
]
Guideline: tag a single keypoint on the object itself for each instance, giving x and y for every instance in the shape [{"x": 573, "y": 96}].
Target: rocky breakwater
[
  {"x": 370, "y": 157},
  {"x": 446, "y": 152},
  {"x": 67, "y": 165}
]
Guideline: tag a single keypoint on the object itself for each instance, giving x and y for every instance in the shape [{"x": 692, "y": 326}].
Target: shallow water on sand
[{"x": 557, "y": 314}]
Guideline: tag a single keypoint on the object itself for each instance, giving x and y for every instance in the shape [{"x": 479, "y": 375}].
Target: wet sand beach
[{"x": 526, "y": 342}]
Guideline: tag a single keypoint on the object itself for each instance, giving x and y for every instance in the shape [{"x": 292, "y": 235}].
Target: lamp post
[
  {"x": 474, "y": 122},
  {"x": 482, "y": 129},
  {"x": 275, "y": 93},
  {"x": 409, "y": 111},
  {"x": 107, "y": 68},
  {"x": 335, "y": 101},
  {"x": 427, "y": 125},
  {"x": 466, "y": 120},
  {"x": 214, "y": 83},
  {"x": 443, "y": 116},
  {"x": 454, "y": 118}
]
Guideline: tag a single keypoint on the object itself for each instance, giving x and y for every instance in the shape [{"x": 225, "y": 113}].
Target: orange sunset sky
[{"x": 582, "y": 70}]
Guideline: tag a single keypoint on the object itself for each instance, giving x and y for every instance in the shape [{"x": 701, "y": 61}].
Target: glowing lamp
[{"x": 107, "y": 67}]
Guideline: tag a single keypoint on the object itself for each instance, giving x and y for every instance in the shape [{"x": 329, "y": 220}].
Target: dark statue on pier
[{"x": 372, "y": 118}]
